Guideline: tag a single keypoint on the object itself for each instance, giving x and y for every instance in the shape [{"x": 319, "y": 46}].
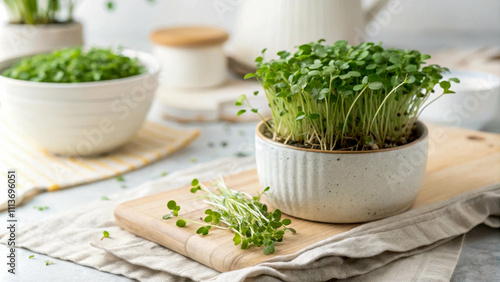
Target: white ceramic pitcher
[{"x": 283, "y": 24}]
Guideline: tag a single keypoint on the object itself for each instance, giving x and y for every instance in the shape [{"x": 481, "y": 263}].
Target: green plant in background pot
[
  {"x": 35, "y": 26},
  {"x": 40, "y": 12},
  {"x": 344, "y": 143}
]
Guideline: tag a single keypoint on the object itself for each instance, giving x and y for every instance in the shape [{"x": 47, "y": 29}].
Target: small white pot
[
  {"x": 20, "y": 39},
  {"x": 191, "y": 57},
  {"x": 79, "y": 119},
  {"x": 341, "y": 186},
  {"x": 474, "y": 104}
]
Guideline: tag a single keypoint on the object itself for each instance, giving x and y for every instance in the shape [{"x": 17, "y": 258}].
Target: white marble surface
[{"x": 480, "y": 258}]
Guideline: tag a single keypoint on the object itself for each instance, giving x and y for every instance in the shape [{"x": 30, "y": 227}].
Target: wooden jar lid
[{"x": 189, "y": 36}]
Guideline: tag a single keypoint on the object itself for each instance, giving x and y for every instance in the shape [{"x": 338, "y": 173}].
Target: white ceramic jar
[
  {"x": 283, "y": 24},
  {"x": 191, "y": 57},
  {"x": 79, "y": 119},
  {"x": 19, "y": 39},
  {"x": 341, "y": 186}
]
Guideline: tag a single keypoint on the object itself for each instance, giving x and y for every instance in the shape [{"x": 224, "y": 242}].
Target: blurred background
[{"x": 423, "y": 24}]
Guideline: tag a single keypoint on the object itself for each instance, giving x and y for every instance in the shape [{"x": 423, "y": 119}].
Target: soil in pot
[{"x": 354, "y": 144}]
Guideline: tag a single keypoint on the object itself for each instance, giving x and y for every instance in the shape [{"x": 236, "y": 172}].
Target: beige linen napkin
[
  {"x": 420, "y": 244},
  {"x": 38, "y": 170}
]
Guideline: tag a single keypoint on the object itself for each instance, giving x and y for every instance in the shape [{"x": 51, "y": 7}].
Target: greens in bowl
[{"x": 75, "y": 65}]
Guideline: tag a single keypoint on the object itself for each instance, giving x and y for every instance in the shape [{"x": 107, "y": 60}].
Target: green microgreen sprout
[
  {"x": 242, "y": 154},
  {"x": 41, "y": 208},
  {"x": 104, "y": 198},
  {"x": 75, "y": 65},
  {"x": 119, "y": 178},
  {"x": 48, "y": 262},
  {"x": 32, "y": 256},
  {"x": 123, "y": 186},
  {"x": 193, "y": 160},
  {"x": 163, "y": 173},
  {"x": 223, "y": 144},
  {"x": 342, "y": 97},
  {"x": 110, "y": 5},
  {"x": 105, "y": 234},
  {"x": 246, "y": 216}
]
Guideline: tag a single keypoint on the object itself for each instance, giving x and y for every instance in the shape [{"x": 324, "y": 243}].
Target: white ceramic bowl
[
  {"x": 341, "y": 186},
  {"x": 79, "y": 119},
  {"x": 472, "y": 106}
]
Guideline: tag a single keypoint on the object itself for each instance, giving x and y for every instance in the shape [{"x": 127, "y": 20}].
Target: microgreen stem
[{"x": 385, "y": 99}]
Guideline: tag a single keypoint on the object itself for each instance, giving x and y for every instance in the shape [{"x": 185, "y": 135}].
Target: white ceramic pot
[
  {"x": 341, "y": 186},
  {"x": 191, "y": 57},
  {"x": 79, "y": 119},
  {"x": 20, "y": 39},
  {"x": 283, "y": 24},
  {"x": 474, "y": 104}
]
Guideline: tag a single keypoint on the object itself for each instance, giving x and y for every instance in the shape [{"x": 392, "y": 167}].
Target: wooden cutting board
[{"x": 459, "y": 161}]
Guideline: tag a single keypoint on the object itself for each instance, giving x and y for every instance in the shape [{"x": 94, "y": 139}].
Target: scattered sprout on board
[
  {"x": 246, "y": 216},
  {"x": 105, "y": 234},
  {"x": 334, "y": 97}
]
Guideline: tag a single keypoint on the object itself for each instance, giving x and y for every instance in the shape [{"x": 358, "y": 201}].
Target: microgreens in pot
[
  {"x": 342, "y": 97},
  {"x": 246, "y": 216},
  {"x": 75, "y": 65}
]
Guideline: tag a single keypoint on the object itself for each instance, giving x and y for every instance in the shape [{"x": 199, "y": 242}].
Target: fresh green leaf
[
  {"x": 171, "y": 205},
  {"x": 375, "y": 85},
  {"x": 237, "y": 239},
  {"x": 313, "y": 116},
  {"x": 249, "y": 75},
  {"x": 180, "y": 223},
  {"x": 357, "y": 87},
  {"x": 240, "y": 100},
  {"x": 105, "y": 234},
  {"x": 300, "y": 116}
]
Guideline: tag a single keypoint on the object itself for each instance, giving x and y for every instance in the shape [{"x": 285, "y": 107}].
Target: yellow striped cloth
[{"x": 38, "y": 170}]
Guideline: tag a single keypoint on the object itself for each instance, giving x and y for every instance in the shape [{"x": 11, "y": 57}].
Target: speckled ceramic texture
[{"x": 341, "y": 186}]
